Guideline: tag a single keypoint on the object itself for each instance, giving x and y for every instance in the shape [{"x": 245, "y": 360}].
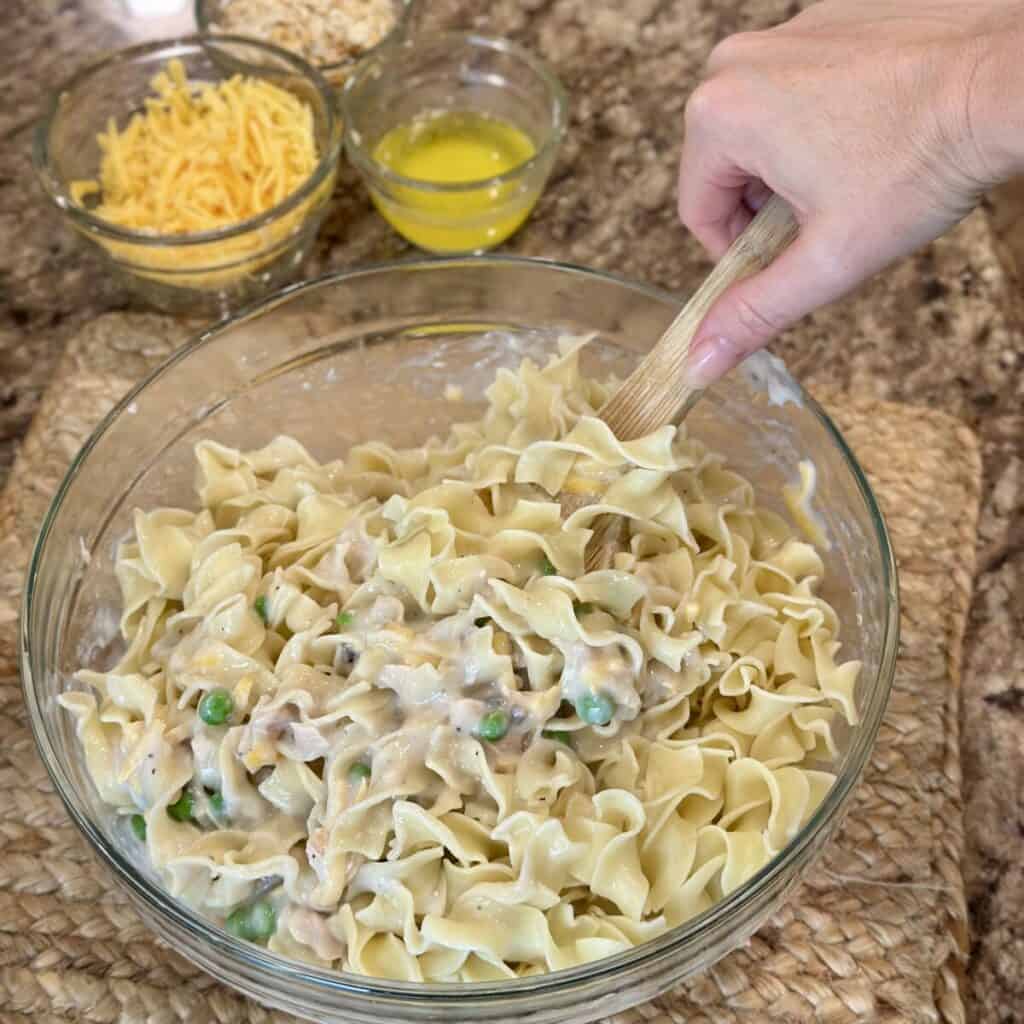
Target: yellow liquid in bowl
[{"x": 454, "y": 148}]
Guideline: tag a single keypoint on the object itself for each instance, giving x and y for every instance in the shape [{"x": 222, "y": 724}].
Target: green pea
[
  {"x": 558, "y": 735},
  {"x": 260, "y": 607},
  {"x": 217, "y": 804},
  {"x": 493, "y": 725},
  {"x": 359, "y": 770},
  {"x": 480, "y": 623},
  {"x": 181, "y": 809},
  {"x": 254, "y": 923},
  {"x": 216, "y": 707},
  {"x": 595, "y": 708},
  {"x": 344, "y": 619},
  {"x": 547, "y": 567},
  {"x": 139, "y": 827}
]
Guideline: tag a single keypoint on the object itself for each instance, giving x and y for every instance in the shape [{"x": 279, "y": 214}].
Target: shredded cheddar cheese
[{"x": 202, "y": 157}]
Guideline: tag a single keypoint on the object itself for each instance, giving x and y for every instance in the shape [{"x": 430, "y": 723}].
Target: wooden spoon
[{"x": 653, "y": 394}]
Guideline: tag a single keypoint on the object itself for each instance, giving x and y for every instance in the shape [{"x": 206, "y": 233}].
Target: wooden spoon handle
[{"x": 653, "y": 394}]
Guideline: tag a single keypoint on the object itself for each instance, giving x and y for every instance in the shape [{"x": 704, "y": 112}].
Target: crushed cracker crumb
[{"x": 322, "y": 31}]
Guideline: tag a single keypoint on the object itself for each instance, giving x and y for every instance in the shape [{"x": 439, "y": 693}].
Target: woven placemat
[{"x": 877, "y": 932}]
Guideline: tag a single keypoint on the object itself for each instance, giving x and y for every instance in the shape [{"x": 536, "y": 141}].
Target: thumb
[{"x": 753, "y": 311}]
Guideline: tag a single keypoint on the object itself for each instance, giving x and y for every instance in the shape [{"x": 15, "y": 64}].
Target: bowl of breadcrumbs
[{"x": 332, "y": 35}]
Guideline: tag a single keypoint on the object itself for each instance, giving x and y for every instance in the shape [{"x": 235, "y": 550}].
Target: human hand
[{"x": 881, "y": 123}]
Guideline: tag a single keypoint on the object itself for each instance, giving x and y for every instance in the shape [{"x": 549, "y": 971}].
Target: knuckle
[
  {"x": 684, "y": 203},
  {"x": 734, "y": 49},
  {"x": 710, "y": 101},
  {"x": 832, "y": 251},
  {"x": 831, "y": 269},
  {"x": 757, "y": 323}
]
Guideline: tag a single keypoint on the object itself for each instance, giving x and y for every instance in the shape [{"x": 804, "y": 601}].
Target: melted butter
[{"x": 456, "y": 148}]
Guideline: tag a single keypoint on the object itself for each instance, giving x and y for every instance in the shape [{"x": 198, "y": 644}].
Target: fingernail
[{"x": 709, "y": 359}]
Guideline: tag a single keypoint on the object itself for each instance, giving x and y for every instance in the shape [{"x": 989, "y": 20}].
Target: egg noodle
[
  {"x": 199, "y": 158},
  {"x": 376, "y": 714}
]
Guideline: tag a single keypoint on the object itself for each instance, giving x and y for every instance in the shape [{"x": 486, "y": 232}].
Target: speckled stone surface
[{"x": 943, "y": 329}]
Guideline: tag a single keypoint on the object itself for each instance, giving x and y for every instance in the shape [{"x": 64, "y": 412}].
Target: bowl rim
[
  {"x": 396, "y": 32},
  {"x": 373, "y": 170},
  {"x": 712, "y": 925},
  {"x": 57, "y": 190}
]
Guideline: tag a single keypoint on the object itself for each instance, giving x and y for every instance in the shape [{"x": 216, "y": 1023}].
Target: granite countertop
[{"x": 610, "y": 204}]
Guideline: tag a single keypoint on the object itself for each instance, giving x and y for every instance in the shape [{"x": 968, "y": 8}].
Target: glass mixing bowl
[{"x": 369, "y": 355}]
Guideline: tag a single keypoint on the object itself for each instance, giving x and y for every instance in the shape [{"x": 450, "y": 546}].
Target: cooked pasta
[{"x": 375, "y": 714}]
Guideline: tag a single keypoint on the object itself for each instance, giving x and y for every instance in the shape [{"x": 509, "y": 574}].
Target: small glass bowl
[
  {"x": 208, "y": 12},
  {"x": 211, "y": 272},
  {"x": 456, "y": 73},
  {"x": 373, "y": 355}
]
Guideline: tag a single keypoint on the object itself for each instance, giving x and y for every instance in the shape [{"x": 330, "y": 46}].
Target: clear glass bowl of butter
[
  {"x": 455, "y": 136},
  {"x": 203, "y": 187}
]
